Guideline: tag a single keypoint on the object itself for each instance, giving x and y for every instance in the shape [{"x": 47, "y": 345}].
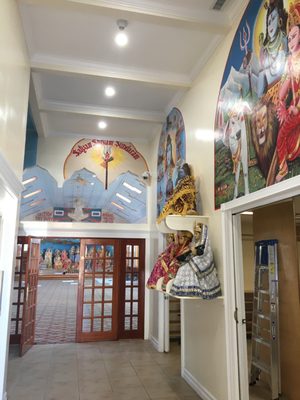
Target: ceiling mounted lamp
[
  {"x": 102, "y": 125},
  {"x": 121, "y": 37}
]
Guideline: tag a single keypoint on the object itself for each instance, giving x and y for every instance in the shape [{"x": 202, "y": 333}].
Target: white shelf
[
  {"x": 185, "y": 222},
  {"x": 163, "y": 228},
  {"x": 196, "y": 298}
]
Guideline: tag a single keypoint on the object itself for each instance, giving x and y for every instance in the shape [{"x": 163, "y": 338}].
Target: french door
[
  {"x": 110, "y": 301},
  {"x": 132, "y": 287},
  {"x": 97, "y": 304},
  {"x": 30, "y": 294}
]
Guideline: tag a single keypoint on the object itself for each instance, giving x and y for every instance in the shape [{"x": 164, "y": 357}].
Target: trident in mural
[
  {"x": 245, "y": 36},
  {"x": 244, "y": 40},
  {"x": 107, "y": 157}
]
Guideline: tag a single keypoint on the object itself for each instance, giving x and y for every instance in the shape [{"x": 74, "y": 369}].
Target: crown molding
[
  {"x": 41, "y": 62},
  {"x": 139, "y": 115},
  {"x": 190, "y": 17},
  {"x": 8, "y": 178}
]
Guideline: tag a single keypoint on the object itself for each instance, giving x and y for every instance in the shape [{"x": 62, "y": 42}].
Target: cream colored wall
[
  {"x": 205, "y": 351},
  {"x": 14, "y": 86},
  {"x": 53, "y": 151}
]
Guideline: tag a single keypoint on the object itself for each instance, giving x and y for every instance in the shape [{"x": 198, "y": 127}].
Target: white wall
[
  {"x": 14, "y": 86},
  {"x": 204, "y": 336}
]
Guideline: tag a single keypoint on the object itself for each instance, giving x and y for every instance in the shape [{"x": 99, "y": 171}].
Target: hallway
[{"x": 121, "y": 370}]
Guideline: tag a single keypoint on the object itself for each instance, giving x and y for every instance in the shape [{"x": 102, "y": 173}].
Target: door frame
[
  {"x": 236, "y": 351},
  {"x": 10, "y": 190}
]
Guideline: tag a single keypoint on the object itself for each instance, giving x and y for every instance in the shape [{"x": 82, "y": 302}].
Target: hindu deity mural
[
  {"x": 59, "y": 256},
  {"x": 258, "y": 112},
  {"x": 171, "y": 157}
]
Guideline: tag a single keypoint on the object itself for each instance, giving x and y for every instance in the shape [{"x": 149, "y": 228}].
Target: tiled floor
[{"x": 122, "y": 370}]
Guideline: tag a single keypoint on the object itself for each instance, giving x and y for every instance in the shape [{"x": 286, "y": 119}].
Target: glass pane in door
[{"x": 97, "y": 281}]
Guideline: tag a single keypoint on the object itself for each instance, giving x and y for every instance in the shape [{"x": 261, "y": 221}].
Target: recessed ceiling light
[
  {"x": 110, "y": 91},
  {"x": 123, "y": 198},
  {"x": 117, "y": 205},
  {"x": 32, "y": 193},
  {"x": 29, "y": 180},
  {"x": 121, "y": 38},
  {"x": 102, "y": 125},
  {"x": 37, "y": 202},
  {"x": 134, "y": 189}
]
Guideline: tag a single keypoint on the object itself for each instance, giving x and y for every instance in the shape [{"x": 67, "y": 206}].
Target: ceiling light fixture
[
  {"x": 117, "y": 205},
  {"x": 123, "y": 198},
  {"x": 121, "y": 37},
  {"x": 102, "y": 125},
  {"x": 134, "y": 189},
  {"x": 32, "y": 194},
  {"x": 110, "y": 91},
  {"x": 29, "y": 180}
]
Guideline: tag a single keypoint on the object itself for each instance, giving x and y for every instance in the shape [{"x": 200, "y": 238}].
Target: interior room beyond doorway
[{"x": 279, "y": 221}]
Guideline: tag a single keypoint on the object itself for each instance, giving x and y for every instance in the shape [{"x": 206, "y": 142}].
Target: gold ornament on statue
[{"x": 183, "y": 200}]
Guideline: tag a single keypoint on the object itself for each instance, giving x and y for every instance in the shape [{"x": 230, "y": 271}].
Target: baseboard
[
  {"x": 199, "y": 389},
  {"x": 154, "y": 342}
]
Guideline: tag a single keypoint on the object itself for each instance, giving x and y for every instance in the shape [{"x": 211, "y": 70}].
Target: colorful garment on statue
[
  {"x": 182, "y": 255},
  {"x": 162, "y": 265},
  {"x": 198, "y": 277}
]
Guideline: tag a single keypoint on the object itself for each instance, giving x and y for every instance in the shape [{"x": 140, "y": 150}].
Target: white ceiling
[{"x": 74, "y": 57}]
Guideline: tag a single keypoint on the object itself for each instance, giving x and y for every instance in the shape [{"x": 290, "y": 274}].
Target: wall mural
[
  {"x": 59, "y": 256},
  {"x": 258, "y": 112},
  {"x": 106, "y": 158},
  {"x": 104, "y": 182},
  {"x": 82, "y": 198},
  {"x": 171, "y": 157}
]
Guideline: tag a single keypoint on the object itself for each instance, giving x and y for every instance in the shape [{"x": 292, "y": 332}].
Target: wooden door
[
  {"x": 132, "y": 288},
  {"x": 18, "y": 293},
  {"x": 29, "y": 306},
  {"x": 97, "y": 304}
]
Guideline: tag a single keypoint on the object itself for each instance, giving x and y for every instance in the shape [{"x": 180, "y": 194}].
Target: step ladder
[{"x": 265, "y": 320}]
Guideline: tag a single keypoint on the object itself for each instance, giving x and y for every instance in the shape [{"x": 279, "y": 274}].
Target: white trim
[
  {"x": 43, "y": 63},
  {"x": 240, "y": 303},
  {"x": 182, "y": 336},
  {"x": 199, "y": 389},
  {"x": 82, "y": 109},
  {"x": 229, "y": 301},
  {"x": 167, "y": 323},
  {"x": 161, "y": 322},
  {"x": 83, "y": 229},
  {"x": 193, "y": 17},
  {"x": 231, "y": 256},
  {"x": 5, "y": 396},
  {"x": 154, "y": 342},
  {"x": 10, "y": 180},
  {"x": 271, "y": 194}
]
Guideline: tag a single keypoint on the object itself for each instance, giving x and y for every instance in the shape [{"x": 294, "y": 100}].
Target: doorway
[
  {"x": 235, "y": 310},
  {"x": 110, "y": 302},
  {"x": 111, "y": 289}
]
